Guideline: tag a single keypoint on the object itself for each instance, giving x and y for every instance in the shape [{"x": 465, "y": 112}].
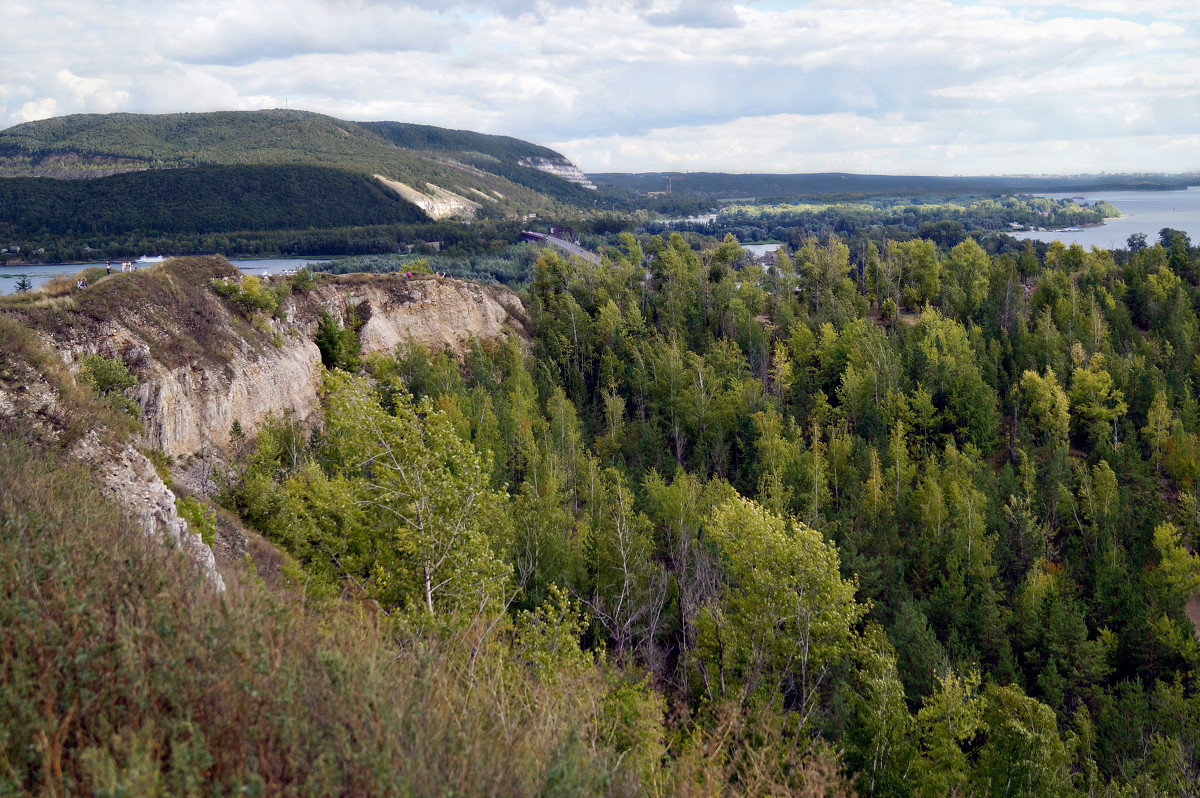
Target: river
[
  {"x": 40, "y": 275},
  {"x": 1144, "y": 212}
]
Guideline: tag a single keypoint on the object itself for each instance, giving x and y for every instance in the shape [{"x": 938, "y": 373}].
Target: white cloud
[
  {"x": 761, "y": 84},
  {"x": 94, "y": 95},
  {"x": 36, "y": 109},
  {"x": 697, "y": 14}
]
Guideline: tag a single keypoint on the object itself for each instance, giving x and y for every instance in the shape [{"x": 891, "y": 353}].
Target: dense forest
[
  {"x": 187, "y": 202},
  {"x": 946, "y": 221},
  {"x": 923, "y": 527},
  {"x": 848, "y": 186},
  {"x": 936, "y": 524}
]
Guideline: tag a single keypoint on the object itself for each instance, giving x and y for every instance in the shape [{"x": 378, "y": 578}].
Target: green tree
[
  {"x": 918, "y": 271},
  {"x": 1024, "y": 754},
  {"x": 430, "y": 488},
  {"x": 1095, "y": 399},
  {"x": 338, "y": 345},
  {"x": 1046, "y": 410},
  {"x": 1158, "y": 426},
  {"x": 966, "y": 275},
  {"x": 948, "y": 723},
  {"x": 786, "y": 617}
]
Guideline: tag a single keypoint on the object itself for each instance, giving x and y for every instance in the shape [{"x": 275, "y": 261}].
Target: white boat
[{"x": 151, "y": 259}]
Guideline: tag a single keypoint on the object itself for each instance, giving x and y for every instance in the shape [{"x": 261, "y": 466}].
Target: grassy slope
[{"x": 187, "y": 322}]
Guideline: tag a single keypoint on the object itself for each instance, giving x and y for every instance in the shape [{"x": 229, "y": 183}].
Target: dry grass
[
  {"x": 124, "y": 674},
  {"x": 75, "y": 409},
  {"x": 170, "y": 304}
]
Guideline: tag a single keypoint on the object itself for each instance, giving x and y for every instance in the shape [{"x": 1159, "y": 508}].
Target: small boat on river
[{"x": 151, "y": 259}]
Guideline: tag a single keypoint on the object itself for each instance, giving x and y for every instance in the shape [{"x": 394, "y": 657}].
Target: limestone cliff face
[
  {"x": 203, "y": 363},
  {"x": 437, "y": 313},
  {"x": 438, "y": 202},
  {"x": 188, "y": 407}
]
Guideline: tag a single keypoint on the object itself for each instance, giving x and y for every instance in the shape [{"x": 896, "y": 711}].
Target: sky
[{"x": 932, "y": 87}]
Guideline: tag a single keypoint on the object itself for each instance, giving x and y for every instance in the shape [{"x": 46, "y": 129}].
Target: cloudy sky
[{"x": 882, "y": 86}]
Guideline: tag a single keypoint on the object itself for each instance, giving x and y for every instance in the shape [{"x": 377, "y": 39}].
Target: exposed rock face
[
  {"x": 186, "y": 409},
  {"x": 435, "y": 313},
  {"x": 129, "y": 478},
  {"x": 438, "y": 202},
  {"x": 561, "y": 168},
  {"x": 190, "y": 407}
]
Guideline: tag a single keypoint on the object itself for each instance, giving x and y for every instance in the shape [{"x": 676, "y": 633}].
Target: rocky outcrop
[
  {"x": 129, "y": 479},
  {"x": 438, "y": 202},
  {"x": 436, "y": 313},
  {"x": 559, "y": 168},
  {"x": 190, "y": 406}
]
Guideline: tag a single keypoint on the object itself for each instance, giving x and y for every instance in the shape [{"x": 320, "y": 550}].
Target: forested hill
[
  {"x": 206, "y": 199},
  {"x": 719, "y": 185},
  {"x": 93, "y": 145}
]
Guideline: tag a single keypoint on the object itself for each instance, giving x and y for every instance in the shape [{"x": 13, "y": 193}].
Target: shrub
[
  {"x": 303, "y": 280},
  {"x": 253, "y": 294},
  {"x": 338, "y": 344},
  {"x": 108, "y": 377},
  {"x": 200, "y": 519}
]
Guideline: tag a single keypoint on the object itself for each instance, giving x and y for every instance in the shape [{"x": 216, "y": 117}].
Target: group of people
[{"x": 126, "y": 266}]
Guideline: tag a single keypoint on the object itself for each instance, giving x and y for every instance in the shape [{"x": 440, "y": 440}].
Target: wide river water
[
  {"x": 40, "y": 275},
  {"x": 1144, "y": 212}
]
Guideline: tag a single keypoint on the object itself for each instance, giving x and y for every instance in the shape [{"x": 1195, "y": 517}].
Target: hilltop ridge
[{"x": 99, "y": 145}]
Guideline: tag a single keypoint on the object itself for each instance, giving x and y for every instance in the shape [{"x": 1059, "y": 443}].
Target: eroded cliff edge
[{"x": 203, "y": 362}]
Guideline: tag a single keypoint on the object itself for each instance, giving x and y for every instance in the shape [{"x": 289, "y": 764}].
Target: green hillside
[
  {"x": 93, "y": 145},
  {"x": 261, "y": 183},
  {"x": 208, "y": 199},
  {"x": 719, "y": 185}
]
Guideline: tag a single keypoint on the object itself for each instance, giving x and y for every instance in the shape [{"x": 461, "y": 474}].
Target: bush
[
  {"x": 200, "y": 519},
  {"x": 338, "y": 344},
  {"x": 108, "y": 377},
  {"x": 303, "y": 280},
  {"x": 253, "y": 294}
]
